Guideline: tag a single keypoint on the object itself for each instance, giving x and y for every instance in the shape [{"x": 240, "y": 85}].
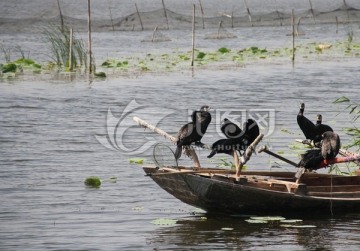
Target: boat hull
[{"x": 219, "y": 194}]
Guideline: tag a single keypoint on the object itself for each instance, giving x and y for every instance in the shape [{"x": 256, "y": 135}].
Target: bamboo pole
[
  {"x": 248, "y": 12},
  {"x": 153, "y": 35},
  {"x": 71, "y": 51},
  {"x": 188, "y": 151},
  {"x": 337, "y": 24},
  {"x": 232, "y": 19},
  {"x": 61, "y": 16},
  {"x": 293, "y": 35},
  {"x": 137, "y": 11},
  {"x": 193, "y": 37},
  {"x": 312, "y": 11},
  {"x": 89, "y": 39},
  {"x": 166, "y": 18},
  {"x": 111, "y": 19},
  {"x": 202, "y": 14},
  {"x": 218, "y": 33}
]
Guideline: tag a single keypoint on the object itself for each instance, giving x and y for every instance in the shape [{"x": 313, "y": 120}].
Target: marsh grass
[
  {"x": 354, "y": 111},
  {"x": 59, "y": 41}
]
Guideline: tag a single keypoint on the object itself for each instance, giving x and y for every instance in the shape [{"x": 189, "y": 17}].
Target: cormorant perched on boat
[
  {"x": 320, "y": 129},
  {"x": 194, "y": 131},
  {"x": 237, "y": 139},
  {"x": 330, "y": 146},
  {"x": 306, "y": 126},
  {"x": 252, "y": 130}
]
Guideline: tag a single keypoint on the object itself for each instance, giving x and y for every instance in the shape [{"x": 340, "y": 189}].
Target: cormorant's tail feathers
[
  {"x": 211, "y": 154},
  {"x": 178, "y": 152}
]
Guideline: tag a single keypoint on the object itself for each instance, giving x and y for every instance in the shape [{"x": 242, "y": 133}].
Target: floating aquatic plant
[
  {"x": 223, "y": 50},
  {"x": 138, "y": 208},
  {"x": 164, "y": 221},
  {"x": 136, "y": 161},
  {"x": 291, "y": 221},
  {"x": 10, "y": 67},
  {"x": 93, "y": 181},
  {"x": 268, "y": 218},
  {"x": 297, "y": 226},
  {"x": 227, "y": 228}
]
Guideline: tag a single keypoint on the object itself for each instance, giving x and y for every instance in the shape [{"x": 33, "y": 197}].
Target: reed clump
[{"x": 59, "y": 39}]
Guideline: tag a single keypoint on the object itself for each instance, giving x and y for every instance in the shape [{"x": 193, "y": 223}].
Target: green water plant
[
  {"x": 93, "y": 181},
  {"x": 10, "y": 67},
  {"x": 58, "y": 39},
  {"x": 354, "y": 110}
]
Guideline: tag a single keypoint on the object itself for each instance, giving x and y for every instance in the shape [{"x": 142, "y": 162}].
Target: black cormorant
[
  {"x": 252, "y": 130},
  {"x": 330, "y": 146},
  {"x": 320, "y": 128},
  {"x": 238, "y": 141},
  {"x": 194, "y": 131},
  {"x": 306, "y": 126}
]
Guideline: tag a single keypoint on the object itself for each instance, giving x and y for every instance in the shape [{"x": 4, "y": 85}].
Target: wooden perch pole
[
  {"x": 293, "y": 35},
  {"x": 202, "y": 15},
  {"x": 248, "y": 12},
  {"x": 247, "y": 154},
  {"x": 137, "y": 11},
  {"x": 188, "y": 151},
  {"x": 165, "y": 14},
  {"x": 89, "y": 39},
  {"x": 193, "y": 38},
  {"x": 71, "y": 65},
  {"x": 61, "y": 16}
]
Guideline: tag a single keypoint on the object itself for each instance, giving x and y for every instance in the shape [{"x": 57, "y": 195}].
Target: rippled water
[
  {"x": 48, "y": 148},
  {"x": 48, "y": 145}
]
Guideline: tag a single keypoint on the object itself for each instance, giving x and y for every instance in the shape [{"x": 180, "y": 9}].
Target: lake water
[{"x": 51, "y": 127}]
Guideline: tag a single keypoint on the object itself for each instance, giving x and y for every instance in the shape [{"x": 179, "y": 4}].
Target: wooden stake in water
[
  {"x": 137, "y": 11},
  {"x": 248, "y": 12},
  {"x": 166, "y": 18},
  {"x": 111, "y": 19},
  {"x": 293, "y": 35},
  {"x": 337, "y": 24},
  {"x": 193, "y": 37},
  {"x": 153, "y": 35},
  {"x": 312, "y": 11},
  {"x": 220, "y": 25},
  {"x": 89, "y": 39},
  {"x": 202, "y": 14},
  {"x": 61, "y": 16},
  {"x": 71, "y": 66}
]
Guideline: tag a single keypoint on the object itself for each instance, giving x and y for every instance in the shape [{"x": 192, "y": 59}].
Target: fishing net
[
  {"x": 164, "y": 156},
  {"x": 157, "y": 36},
  {"x": 222, "y": 33},
  {"x": 172, "y": 14}
]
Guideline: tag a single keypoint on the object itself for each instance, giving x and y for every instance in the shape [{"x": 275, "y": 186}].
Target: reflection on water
[
  {"x": 225, "y": 233},
  {"x": 48, "y": 145},
  {"x": 48, "y": 148}
]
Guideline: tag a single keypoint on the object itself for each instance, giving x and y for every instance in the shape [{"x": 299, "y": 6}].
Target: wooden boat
[{"x": 261, "y": 193}]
